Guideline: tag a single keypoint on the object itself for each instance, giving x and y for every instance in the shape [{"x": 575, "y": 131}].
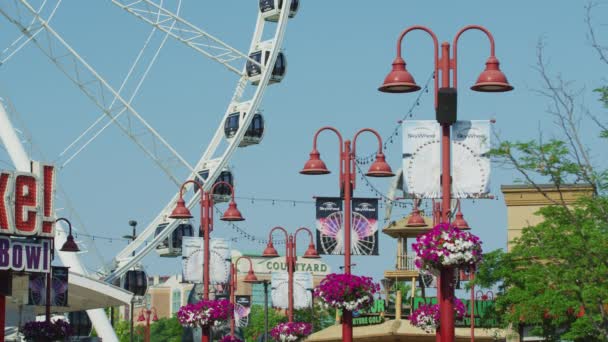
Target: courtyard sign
[
  {"x": 265, "y": 266},
  {"x": 26, "y": 202}
]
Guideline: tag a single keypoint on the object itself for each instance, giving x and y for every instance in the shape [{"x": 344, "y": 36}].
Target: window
[{"x": 176, "y": 301}]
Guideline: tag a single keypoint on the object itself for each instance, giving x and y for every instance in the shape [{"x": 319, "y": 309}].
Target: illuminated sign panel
[{"x": 26, "y": 205}]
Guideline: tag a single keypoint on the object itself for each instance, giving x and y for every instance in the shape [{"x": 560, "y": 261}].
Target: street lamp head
[
  {"x": 141, "y": 317},
  {"x": 314, "y": 165},
  {"x": 251, "y": 277},
  {"x": 460, "y": 222},
  {"x": 155, "y": 317},
  {"x": 380, "y": 167},
  {"x": 70, "y": 245},
  {"x": 492, "y": 80},
  {"x": 415, "y": 219},
  {"x": 270, "y": 251},
  {"x": 311, "y": 252},
  {"x": 180, "y": 211},
  {"x": 399, "y": 80},
  {"x": 232, "y": 213}
]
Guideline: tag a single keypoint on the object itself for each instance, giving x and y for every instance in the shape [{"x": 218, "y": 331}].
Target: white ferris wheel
[{"x": 241, "y": 124}]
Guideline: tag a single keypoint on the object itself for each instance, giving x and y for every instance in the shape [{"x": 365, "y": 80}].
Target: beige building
[{"x": 523, "y": 202}]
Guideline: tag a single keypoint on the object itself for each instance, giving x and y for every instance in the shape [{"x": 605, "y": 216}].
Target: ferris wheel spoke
[
  {"x": 22, "y": 40},
  {"x": 101, "y": 93},
  {"x": 92, "y": 132},
  {"x": 185, "y": 32}
]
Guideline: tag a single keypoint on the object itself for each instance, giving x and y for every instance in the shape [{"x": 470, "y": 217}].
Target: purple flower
[
  {"x": 204, "y": 313},
  {"x": 347, "y": 291},
  {"x": 229, "y": 338},
  {"x": 290, "y": 331},
  {"x": 47, "y": 331},
  {"x": 427, "y": 316},
  {"x": 446, "y": 246}
]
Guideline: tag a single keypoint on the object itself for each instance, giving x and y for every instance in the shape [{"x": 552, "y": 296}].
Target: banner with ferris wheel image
[{"x": 364, "y": 226}]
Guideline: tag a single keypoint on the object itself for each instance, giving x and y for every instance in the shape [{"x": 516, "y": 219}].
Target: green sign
[
  {"x": 484, "y": 312},
  {"x": 371, "y": 316}
]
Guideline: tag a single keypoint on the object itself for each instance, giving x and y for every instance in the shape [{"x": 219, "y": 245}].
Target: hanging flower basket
[
  {"x": 426, "y": 317},
  {"x": 205, "y": 313},
  {"x": 347, "y": 291},
  {"x": 229, "y": 338},
  {"x": 47, "y": 331},
  {"x": 290, "y": 331},
  {"x": 446, "y": 246}
]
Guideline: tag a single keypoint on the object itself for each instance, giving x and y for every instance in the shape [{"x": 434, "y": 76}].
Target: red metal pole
[
  {"x": 148, "y": 312},
  {"x": 290, "y": 266},
  {"x": 347, "y": 318},
  {"x": 232, "y": 294},
  {"x": 206, "y": 206},
  {"x": 446, "y": 304},
  {"x": 472, "y": 277},
  {"x": 2, "y": 316}
]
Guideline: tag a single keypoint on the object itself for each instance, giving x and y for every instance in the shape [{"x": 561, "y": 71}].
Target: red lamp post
[
  {"x": 315, "y": 166},
  {"x": 399, "y": 80},
  {"x": 144, "y": 316},
  {"x": 290, "y": 258},
  {"x": 250, "y": 278},
  {"x": 206, "y": 206}
]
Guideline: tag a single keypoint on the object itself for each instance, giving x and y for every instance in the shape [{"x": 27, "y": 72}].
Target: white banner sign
[
  {"x": 422, "y": 158},
  {"x": 470, "y": 159},
  {"x": 192, "y": 260},
  {"x": 302, "y": 281}
]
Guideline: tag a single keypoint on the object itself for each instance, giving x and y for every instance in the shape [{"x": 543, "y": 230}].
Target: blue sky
[{"x": 338, "y": 53}]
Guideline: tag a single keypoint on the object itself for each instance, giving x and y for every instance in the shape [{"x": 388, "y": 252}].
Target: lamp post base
[
  {"x": 347, "y": 326},
  {"x": 446, "y": 304}
]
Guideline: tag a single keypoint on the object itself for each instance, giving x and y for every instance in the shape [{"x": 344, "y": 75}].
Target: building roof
[
  {"x": 398, "y": 330},
  {"x": 398, "y": 228}
]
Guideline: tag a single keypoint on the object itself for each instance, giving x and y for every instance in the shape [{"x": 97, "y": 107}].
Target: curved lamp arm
[
  {"x": 367, "y": 130},
  {"x": 295, "y": 236},
  {"x": 455, "y": 47},
  {"x": 436, "y": 55},
  {"x": 235, "y": 265},
  {"x": 341, "y": 141},
  {"x": 223, "y": 183},
  {"x": 196, "y": 184},
  {"x": 66, "y": 221}
]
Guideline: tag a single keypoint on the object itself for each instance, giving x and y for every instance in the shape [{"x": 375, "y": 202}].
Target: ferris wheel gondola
[
  {"x": 255, "y": 131},
  {"x": 261, "y": 55},
  {"x": 171, "y": 247},
  {"x": 271, "y": 9}
]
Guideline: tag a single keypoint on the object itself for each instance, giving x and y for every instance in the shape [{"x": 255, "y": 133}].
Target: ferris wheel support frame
[
  {"x": 124, "y": 260},
  {"x": 22, "y": 163},
  {"x": 99, "y": 91}
]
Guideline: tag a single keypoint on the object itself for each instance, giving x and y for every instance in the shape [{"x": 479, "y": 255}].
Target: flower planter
[
  {"x": 205, "y": 313},
  {"x": 347, "y": 292},
  {"x": 446, "y": 246},
  {"x": 290, "y": 331}
]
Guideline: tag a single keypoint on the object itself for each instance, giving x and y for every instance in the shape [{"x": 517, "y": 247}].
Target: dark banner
[
  {"x": 364, "y": 226},
  {"x": 59, "y": 287},
  {"x": 242, "y": 310},
  {"x": 329, "y": 225}
]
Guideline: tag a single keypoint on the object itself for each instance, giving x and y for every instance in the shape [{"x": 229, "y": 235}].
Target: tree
[
  {"x": 556, "y": 276},
  {"x": 256, "y": 321}
]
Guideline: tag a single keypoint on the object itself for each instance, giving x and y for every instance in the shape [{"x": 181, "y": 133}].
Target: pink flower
[
  {"x": 347, "y": 291},
  {"x": 290, "y": 331}
]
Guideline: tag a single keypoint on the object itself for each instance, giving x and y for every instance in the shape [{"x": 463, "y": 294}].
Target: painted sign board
[
  {"x": 25, "y": 255},
  {"x": 265, "y": 266},
  {"x": 26, "y": 203}
]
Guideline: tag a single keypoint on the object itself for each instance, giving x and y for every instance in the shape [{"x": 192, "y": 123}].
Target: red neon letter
[
  {"x": 6, "y": 226},
  {"x": 26, "y": 222}
]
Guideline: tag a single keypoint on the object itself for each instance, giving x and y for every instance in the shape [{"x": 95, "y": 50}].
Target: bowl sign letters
[{"x": 26, "y": 202}]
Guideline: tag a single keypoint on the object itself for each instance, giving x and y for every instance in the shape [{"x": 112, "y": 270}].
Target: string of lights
[
  {"x": 274, "y": 201},
  {"x": 246, "y": 235},
  {"x": 409, "y": 114},
  {"x": 386, "y": 201}
]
